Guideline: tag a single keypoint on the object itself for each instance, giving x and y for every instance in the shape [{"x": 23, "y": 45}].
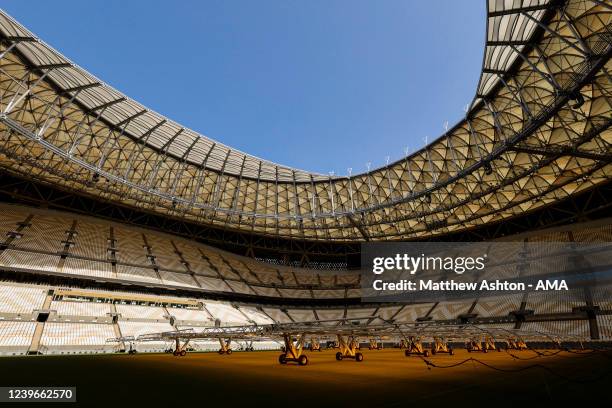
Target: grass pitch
[{"x": 386, "y": 378}]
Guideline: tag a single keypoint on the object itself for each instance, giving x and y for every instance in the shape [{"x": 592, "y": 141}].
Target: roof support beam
[
  {"x": 504, "y": 43},
  {"x": 18, "y": 39},
  {"x": 359, "y": 227},
  {"x": 518, "y": 10},
  {"x": 603, "y": 4},
  {"x": 562, "y": 151},
  {"x": 54, "y": 66},
  {"x": 141, "y": 145},
  {"x": 130, "y": 118},
  {"x": 108, "y": 104},
  {"x": 201, "y": 176},
  {"x": 556, "y": 34},
  {"x": 82, "y": 87}
]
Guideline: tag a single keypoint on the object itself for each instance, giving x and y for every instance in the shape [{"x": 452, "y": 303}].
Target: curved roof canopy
[{"x": 536, "y": 132}]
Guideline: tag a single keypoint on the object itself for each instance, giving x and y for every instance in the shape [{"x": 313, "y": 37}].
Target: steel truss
[
  {"x": 348, "y": 331},
  {"x": 537, "y": 132},
  {"x": 359, "y": 327}
]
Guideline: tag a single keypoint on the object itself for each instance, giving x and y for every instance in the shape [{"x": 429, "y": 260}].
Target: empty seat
[
  {"x": 21, "y": 299},
  {"x": 75, "y": 308},
  {"x": 76, "y": 334},
  {"x": 227, "y": 314},
  {"x": 140, "y": 312},
  {"x": 189, "y": 314},
  {"x": 29, "y": 260},
  {"x": 16, "y": 335}
]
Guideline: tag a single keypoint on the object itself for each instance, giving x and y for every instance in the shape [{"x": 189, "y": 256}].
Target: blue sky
[{"x": 320, "y": 85}]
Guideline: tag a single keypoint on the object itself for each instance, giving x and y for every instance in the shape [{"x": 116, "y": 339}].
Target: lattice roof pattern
[{"x": 537, "y": 131}]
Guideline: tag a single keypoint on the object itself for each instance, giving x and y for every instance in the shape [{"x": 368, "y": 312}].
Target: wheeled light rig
[
  {"x": 415, "y": 348},
  {"x": 349, "y": 347}
]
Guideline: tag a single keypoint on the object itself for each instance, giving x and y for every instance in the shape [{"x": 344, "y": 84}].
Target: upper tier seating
[
  {"x": 99, "y": 249},
  {"x": 58, "y": 242},
  {"x": 20, "y": 299}
]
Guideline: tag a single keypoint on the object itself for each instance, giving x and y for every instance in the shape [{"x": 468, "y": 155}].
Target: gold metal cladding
[{"x": 536, "y": 133}]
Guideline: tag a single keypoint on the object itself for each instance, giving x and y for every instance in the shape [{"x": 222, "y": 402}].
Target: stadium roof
[{"x": 536, "y": 132}]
